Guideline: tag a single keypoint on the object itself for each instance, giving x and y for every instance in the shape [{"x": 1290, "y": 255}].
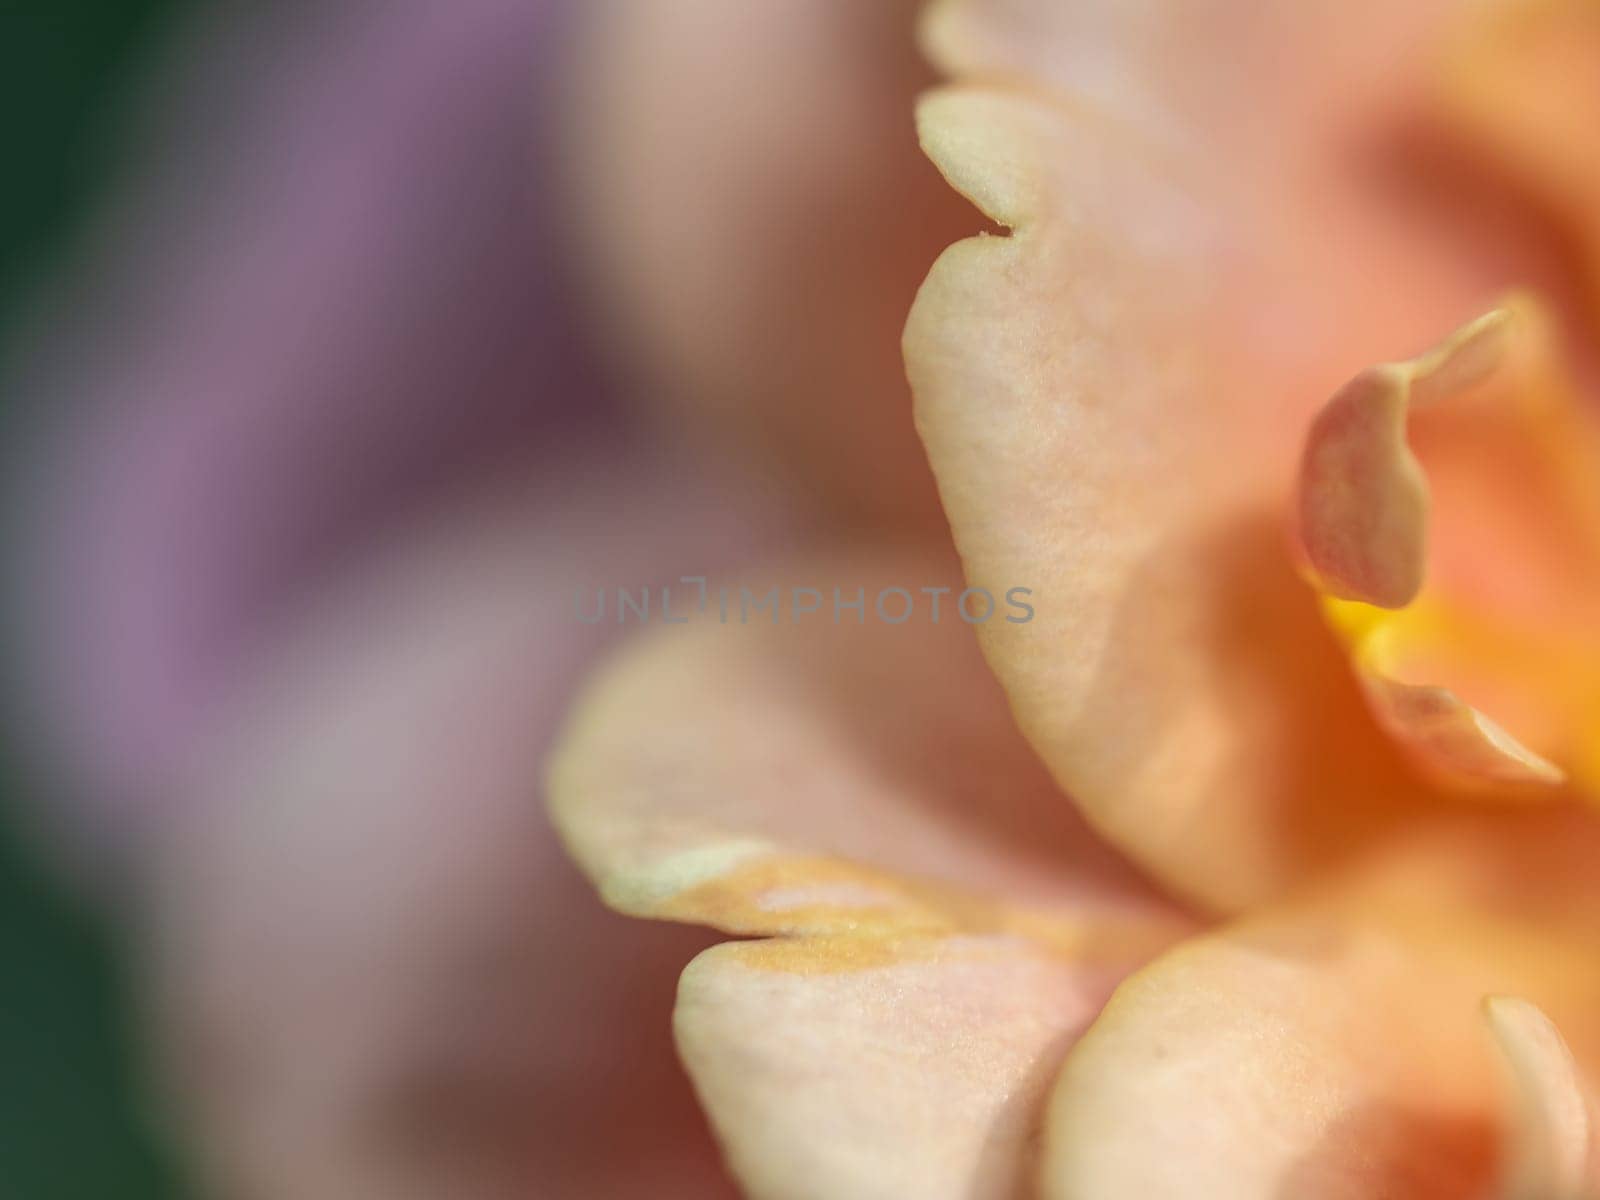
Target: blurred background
[{"x": 73, "y": 1122}]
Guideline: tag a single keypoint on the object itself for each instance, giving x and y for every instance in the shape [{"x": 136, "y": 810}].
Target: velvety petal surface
[
  {"x": 1320, "y": 1053},
  {"x": 1320, "y": 121},
  {"x": 1551, "y": 1155},
  {"x": 1520, "y": 83},
  {"x": 856, "y": 1068},
  {"x": 944, "y": 923},
  {"x": 802, "y": 770},
  {"x": 1111, "y": 417}
]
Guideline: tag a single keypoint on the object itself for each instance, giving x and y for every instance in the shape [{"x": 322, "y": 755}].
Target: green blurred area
[{"x": 70, "y": 1112}]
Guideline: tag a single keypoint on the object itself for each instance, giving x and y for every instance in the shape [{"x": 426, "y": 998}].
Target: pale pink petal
[
  {"x": 912, "y": 1068},
  {"x": 792, "y": 770},
  {"x": 1552, "y": 1153},
  {"x": 1520, "y": 86},
  {"x": 1335, "y": 1053},
  {"x": 945, "y": 924},
  {"x": 1111, "y": 417}
]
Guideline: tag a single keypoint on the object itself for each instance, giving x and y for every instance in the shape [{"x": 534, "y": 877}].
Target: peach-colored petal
[
  {"x": 1106, "y": 430},
  {"x": 945, "y": 925},
  {"x": 796, "y": 774},
  {"x": 1199, "y": 65},
  {"x": 1490, "y": 674},
  {"x": 1530, "y": 863},
  {"x": 1520, "y": 81},
  {"x": 1305, "y": 116},
  {"x": 1325, "y": 1054},
  {"x": 756, "y": 218},
  {"x": 909, "y": 1068},
  {"x": 1448, "y": 732},
  {"x": 1552, "y": 1154}
]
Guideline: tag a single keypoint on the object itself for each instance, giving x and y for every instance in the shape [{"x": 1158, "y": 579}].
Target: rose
[
  {"x": 304, "y": 923},
  {"x": 1114, "y": 399}
]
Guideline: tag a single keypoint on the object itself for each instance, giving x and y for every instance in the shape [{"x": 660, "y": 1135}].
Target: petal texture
[
  {"x": 912, "y": 1068},
  {"x": 1104, "y": 430},
  {"x": 781, "y": 772},
  {"x": 1552, "y": 1154},
  {"x": 945, "y": 925},
  {"x": 1520, "y": 82},
  {"x": 1321, "y": 1053}
]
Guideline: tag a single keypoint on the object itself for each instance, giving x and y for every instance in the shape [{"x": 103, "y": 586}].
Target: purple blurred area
[
  {"x": 314, "y": 451},
  {"x": 330, "y": 295}
]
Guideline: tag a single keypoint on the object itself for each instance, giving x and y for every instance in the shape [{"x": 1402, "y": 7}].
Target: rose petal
[
  {"x": 1507, "y": 566},
  {"x": 1521, "y": 83},
  {"x": 860, "y": 789},
  {"x": 1305, "y": 116},
  {"x": 916, "y": 1067},
  {"x": 1103, "y": 430},
  {"x": 1325, "y": 1053},
  {"x": 772, "y": 775},
  {"x": 1552, "y": 1153}
]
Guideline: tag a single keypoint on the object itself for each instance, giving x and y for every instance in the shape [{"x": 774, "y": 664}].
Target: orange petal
[
  {"x": 1552, "y": 1149},
  {"x": 1104, "y": 430},
  {"x": 1521, "y": 82},
  {"x": 1491, "y": 673},
  {"x": 918, "y": 1069},
  {"x": 1331, "y": 1052}
]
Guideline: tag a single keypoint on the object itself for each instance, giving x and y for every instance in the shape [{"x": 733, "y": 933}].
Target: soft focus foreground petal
[
  {"x": 376, "y": 974},
  {"x": 1552, "y": 1149},
  {"x": 914, "y": 1067},
  {"x": 1491, "y": 675},
  {"x": 811, "y": 772},
  {"x": 946, "y": 923},
  {"x": 1521, "y": 82},
  {"x": 1107, "y": 430},
  {"x": 757, "y": 217},
  {"x": 1328, "y": 1053}
]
